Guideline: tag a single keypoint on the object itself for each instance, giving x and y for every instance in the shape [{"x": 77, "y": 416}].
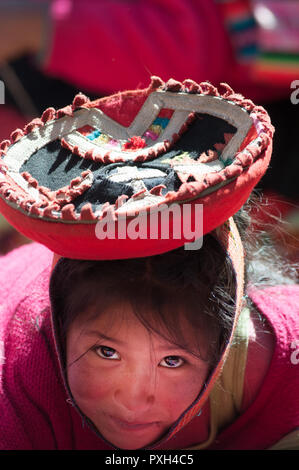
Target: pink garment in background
[
  {"x": 116, "y": 45},
  {"x": 35, "y": 409},
  {"x": 275, "y": 411}
]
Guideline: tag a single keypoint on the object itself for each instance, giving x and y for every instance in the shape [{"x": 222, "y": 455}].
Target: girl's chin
[
  {"x": 129, "y": 436},
  {"x": 128, "y": 442}
]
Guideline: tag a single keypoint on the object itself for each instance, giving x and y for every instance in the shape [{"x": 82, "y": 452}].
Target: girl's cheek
[
  {"x": 88, "y": 383},
  {"x": 179, "y": 392}
]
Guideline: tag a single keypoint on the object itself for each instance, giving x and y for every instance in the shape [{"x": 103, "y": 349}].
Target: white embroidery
[
  {"x": 200, "y": 168},
  {"x": 129, "y": 173}
]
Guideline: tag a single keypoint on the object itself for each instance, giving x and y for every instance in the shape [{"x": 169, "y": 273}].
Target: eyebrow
[
  {"x": 166, "y": 345},
  {"x": 173, "y": 347},
  {"x": 105, "y": 337}
]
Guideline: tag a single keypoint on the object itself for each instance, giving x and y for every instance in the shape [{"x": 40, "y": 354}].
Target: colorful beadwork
[
  {"x": 97, "y": 137},
  {"x": 150, "y": 135},
  {"x": 94, "y": 135},
  {"x": 159, "y": 124},
  {"x": 86, "y": 130},
  {"x": 165, "y": 113},
  {"x": 102, "y": 138},
  {"x": 156, "y": 129},
  {"x": 137, "y": 142}
]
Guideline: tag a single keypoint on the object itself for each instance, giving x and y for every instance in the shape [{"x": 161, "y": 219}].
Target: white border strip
[{"x": 182, "y": 103}]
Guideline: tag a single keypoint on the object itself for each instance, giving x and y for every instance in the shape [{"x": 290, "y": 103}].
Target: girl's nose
[{"x": 135, "y": 391}]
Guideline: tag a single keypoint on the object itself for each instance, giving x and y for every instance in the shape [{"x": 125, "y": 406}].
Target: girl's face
[{"x": 131, "y": 383}]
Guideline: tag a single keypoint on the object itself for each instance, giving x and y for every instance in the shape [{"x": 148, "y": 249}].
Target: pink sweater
[{"x": 35, "y": 409}]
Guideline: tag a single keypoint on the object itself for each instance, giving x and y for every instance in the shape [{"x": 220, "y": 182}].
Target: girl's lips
[{"x": 132, "y": 426}]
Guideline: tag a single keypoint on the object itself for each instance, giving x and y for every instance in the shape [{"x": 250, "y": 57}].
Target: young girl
[
  {"x": 177, "y": 349},
  {"x": 139, "y": 349}
]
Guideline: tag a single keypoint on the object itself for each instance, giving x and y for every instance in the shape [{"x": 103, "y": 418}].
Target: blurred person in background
[{"x": 50, "y": 50}]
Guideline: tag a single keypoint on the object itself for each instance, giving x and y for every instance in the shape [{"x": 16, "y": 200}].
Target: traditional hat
[{"x": 100, "y": 179}]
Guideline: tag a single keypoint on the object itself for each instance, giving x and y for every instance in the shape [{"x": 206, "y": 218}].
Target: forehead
[{"x": 119, "y": 322}]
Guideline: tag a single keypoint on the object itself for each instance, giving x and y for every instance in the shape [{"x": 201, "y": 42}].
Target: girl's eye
[
  {"x": 172, "y": 362},
  {"x": 107, "y": 353}
]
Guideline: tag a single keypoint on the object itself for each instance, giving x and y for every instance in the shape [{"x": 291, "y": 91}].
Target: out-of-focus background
[{"x": 51, "y": 50}]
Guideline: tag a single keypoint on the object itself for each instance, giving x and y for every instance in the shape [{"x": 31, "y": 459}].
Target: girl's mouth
[{"x": 133, "y": 425}]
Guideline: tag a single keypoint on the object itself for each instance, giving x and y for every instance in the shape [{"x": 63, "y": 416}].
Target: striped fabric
[
  {"x": 242, "y": 27},
  {"x": 278, "y": 61},
  {"x": 265, "y": 35}
]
